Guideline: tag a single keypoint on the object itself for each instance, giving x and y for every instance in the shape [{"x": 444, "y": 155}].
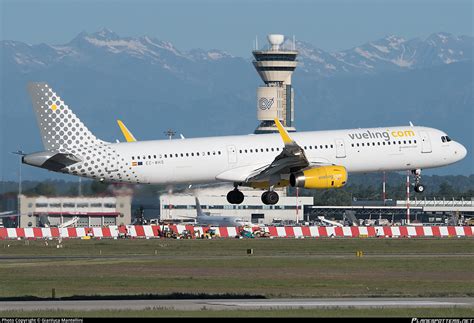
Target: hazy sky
[{"x": 233, "y": 25}]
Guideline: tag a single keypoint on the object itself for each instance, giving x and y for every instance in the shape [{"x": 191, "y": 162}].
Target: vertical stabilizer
[{"x": 60, "y": 128}]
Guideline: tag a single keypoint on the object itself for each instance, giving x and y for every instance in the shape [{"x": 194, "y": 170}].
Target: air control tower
[{"x": 275, "y": 66}]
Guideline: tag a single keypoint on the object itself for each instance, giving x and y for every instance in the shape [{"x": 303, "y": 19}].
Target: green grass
[
  {"x": 334, "y": 312},
  {"x": 235, "y": 247},
  {"x": 278, "y": 267}
]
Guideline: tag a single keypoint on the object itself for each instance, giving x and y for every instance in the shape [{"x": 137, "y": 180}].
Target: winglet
[
  {"x": 283, "y": 133},
  {"x": 126, "y": 133}
]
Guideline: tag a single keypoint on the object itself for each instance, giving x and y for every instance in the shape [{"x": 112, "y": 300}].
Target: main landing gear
[
  {"x": 270, "y": 197},
  {"x": 235, "y": 196},
  {"x": 419, "y": 188}
]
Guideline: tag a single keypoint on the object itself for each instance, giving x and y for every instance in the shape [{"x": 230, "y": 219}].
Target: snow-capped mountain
[{"x": 391, "y": 53}]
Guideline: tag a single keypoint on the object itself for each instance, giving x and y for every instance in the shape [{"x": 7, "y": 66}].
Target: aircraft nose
[{"x": 460, "y": 151}]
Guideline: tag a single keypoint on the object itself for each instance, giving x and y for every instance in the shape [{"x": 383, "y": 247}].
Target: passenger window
[
  {"x": 404, "y": 142},
  {"x": 176, "y": 155},
  {"x": 352, "y": 145},
  {"x": 357, "y": 144},
  {"x": 251, "y": 150},
  {"x": 197, "y": 154},
  {"x": 149, "y": 157},
  {"x": 362, "y": 144},
  {"x": 133, "y": 158},
  {"x": 378, "y": 143},
  {"x": 192, "y": 154},
  {"x": 245, "y": 150},
  {"x": 326, "y": 146},
  {"x": 332, "y": 146},
  {"x": 414, "y": 141},
  {"x": 305, "y": 147},
  {"x": 187, "y": 155},
  {"x": 383, "y": 143}
]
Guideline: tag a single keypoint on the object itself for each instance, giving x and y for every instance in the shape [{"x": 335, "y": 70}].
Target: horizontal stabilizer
[{"x": 50, "y": 160}]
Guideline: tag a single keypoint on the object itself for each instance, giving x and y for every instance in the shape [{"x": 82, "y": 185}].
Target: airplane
[
  {"x": 312, "y": 160},
  {"x": 8, "y": 214},
  {"x": 206, "y": 219}
]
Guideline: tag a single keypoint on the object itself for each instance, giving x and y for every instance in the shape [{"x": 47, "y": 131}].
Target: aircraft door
[
  {"x": 425, "y": 142},
  {"x": 232, "y": 154},
  {"x": 340, "y": 148}
]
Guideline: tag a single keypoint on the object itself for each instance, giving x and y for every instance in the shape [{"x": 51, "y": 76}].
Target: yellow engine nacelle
[{"x": 320, "y": 177}]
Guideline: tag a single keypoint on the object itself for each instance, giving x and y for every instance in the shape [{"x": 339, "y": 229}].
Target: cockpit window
[{"x": 445, "y": 139}]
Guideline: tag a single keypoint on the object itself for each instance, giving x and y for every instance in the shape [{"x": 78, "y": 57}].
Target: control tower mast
[{"x": 276, "y": 99}]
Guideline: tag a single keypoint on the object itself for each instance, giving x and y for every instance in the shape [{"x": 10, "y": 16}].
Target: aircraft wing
[
  {"x": 292, "y": 158},
  {"x": 129, "y": 137},
  {"x": 8, "y": 214}
]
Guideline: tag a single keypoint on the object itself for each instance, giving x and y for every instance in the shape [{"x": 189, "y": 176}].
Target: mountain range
[{"x": 151, "y": 85}]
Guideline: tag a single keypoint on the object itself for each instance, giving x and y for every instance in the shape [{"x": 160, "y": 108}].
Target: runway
[{"x": 237, "y": 304}]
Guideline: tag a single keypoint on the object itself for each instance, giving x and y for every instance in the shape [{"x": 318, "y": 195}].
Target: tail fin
[
  {"x": 60, "y": 128},
  {"x": 198, "y": 208}
]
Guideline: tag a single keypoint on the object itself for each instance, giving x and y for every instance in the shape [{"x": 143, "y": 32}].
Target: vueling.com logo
[{"x": 382, "y": 134}]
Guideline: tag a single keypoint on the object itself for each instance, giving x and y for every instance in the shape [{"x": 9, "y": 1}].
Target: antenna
[
  {"x": 256, "y": 42},
  {"x": 170, "y": 133},
  {"x": 294, "y": 43}
]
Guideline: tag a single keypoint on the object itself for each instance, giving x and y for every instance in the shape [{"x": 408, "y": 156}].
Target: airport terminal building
[
  {"x": 182, "y": 207},
  {"x": 42, "y": 211}
]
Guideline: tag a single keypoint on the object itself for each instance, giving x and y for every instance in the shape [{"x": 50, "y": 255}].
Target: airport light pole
[
  {"x": 20, "y": 154},
  {"x": 408, "y": 197},
  {"x": 297, "y": 205},
  {"x": 384, "y": 196}
]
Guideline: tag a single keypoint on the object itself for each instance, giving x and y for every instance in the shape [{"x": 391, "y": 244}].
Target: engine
[{"x": 320, "y": 177}]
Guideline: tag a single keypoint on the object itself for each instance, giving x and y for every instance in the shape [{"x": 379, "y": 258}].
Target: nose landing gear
[{"x": 419, "y": 188}]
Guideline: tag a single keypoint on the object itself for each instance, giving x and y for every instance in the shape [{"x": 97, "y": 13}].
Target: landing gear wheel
[
  {"x": 419, "y": 188},
  {"x": 270, "y": 198},
  {"x": 235, "y": 197}
]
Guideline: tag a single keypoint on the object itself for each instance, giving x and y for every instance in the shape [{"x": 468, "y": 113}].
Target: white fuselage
[{"x": 231, "y": 158}]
